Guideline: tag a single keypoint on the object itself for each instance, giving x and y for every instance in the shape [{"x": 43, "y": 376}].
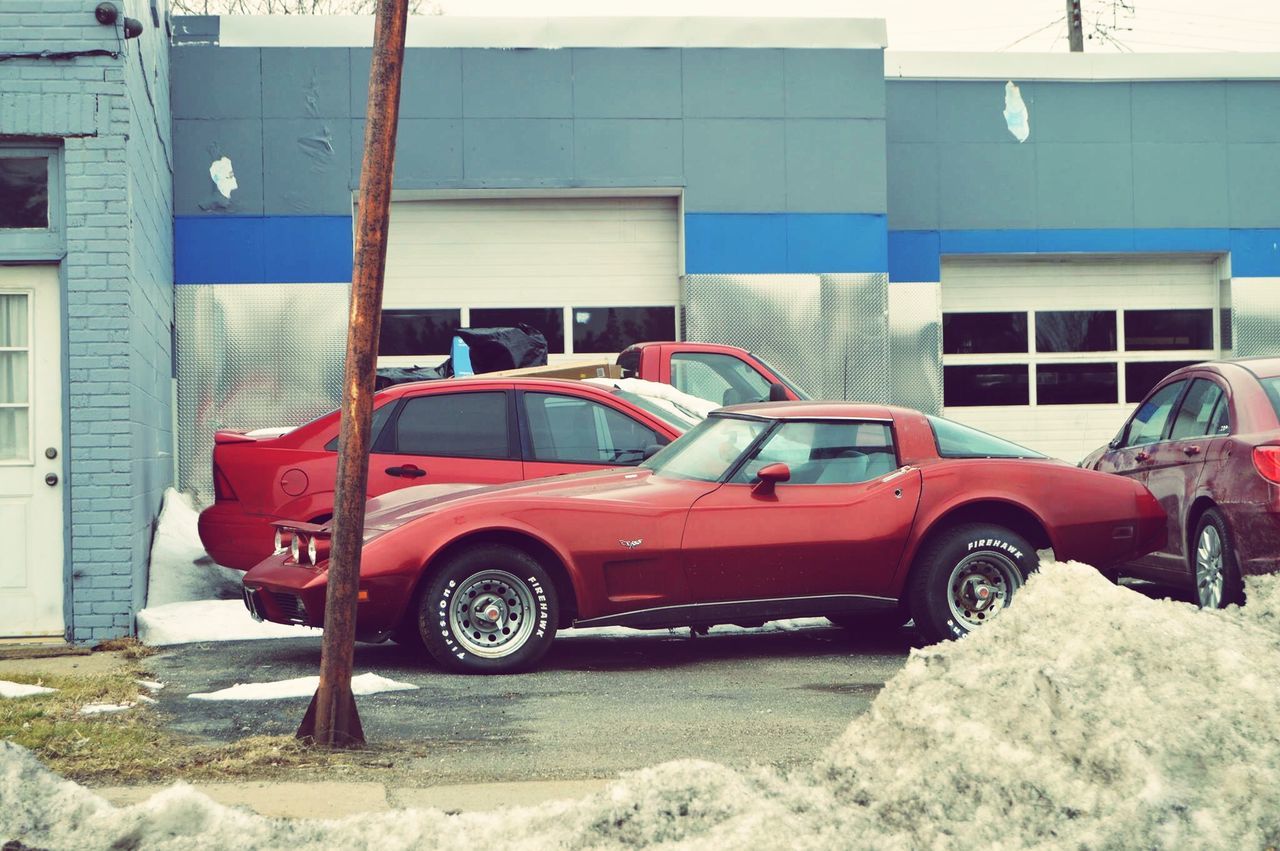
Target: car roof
[
  {"x": 445, "y": 385},
  {"x": 819, "y": 410}
]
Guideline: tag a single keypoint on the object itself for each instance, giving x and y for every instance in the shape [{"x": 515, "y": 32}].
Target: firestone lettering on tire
[{"x": 996, "y": 545}]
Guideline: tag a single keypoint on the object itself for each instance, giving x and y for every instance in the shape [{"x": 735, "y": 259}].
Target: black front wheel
[
  {"x": 966, "y": 577},
  {"x": 490, "y": 609}
]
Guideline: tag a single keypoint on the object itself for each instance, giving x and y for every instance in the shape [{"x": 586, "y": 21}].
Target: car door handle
[
  {"x": 1141, "y": 456},
  {"x": 408, "y": 471},
  {"x": 1190, "y": 450}
]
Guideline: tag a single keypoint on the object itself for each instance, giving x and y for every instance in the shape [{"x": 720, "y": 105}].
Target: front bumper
[{"x": 280, "y": 591}]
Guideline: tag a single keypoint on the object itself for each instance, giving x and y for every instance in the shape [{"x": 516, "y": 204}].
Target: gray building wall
[
  {"x": 1143, "y": 154},
  {"x": 109, "y": 115},
  {"x": 744, "y": 130}
]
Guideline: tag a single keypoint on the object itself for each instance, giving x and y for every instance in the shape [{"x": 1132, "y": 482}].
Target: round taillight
[
  {"x": 295, "y": 548},
  {"x": 279, "y": 544},
  {"x": 311, "y": 550}
]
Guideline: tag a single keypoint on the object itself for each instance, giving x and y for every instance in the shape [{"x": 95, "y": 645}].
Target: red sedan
[
  {"x": 1206, "y": 442},
  {"x": 861, "y": 513},
  {"x": 483, "y": 430}
]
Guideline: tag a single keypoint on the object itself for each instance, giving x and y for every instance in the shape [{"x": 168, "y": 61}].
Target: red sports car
[
  {"x": 482, "y": 430},
  {"x": 1206, "y": 442},
  {"x": 862, "y": 513}
]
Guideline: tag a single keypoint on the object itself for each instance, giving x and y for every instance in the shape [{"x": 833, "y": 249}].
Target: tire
[
  {"x": 1215, "y": 574},
  {"x": 871, "y": 622},
  {"x": 516, "y": 626},
  {"x": 965, "y": 577}
]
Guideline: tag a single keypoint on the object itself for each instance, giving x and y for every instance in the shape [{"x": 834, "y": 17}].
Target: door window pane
[
  {"x": 13, "y": 319},
  {"x": 825, "y": 453},
  {"x": 612, "y": 329},
  {"x": 983, "y": 333},
  {"x": 1147, "y": 425},
  {"x": 548, "y": 320},
  {"x": 1004, "y": 384},
  {"x": 417, "y": 332},
  {"x": 1141, "y": 376},
  {"x": 1076, "y": 331},
  {"x": 1076, "y": 383},
  {"x": 722, "y": 379},
  {"x": 460, "y": 425},
  {"x": 1221, "y": 422},
  {"x": 575, "y": 430},
  {"x": 14, "y": 439},
  {"x": 1149, "y": 330},
  {"x": 1197, "y": 410},
  {"x": 13, "y": 377},
  {"x": 24, "y": 192}
]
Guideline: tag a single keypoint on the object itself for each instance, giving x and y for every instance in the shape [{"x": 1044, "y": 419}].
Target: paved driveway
[{"x": 595, "y": 707}]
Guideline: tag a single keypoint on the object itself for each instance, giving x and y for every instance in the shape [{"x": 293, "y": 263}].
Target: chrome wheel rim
[
  {"x": 981, "y": 586},
  {"x": 493, "y": 614},
  {"x": 1209, "y": 579}
]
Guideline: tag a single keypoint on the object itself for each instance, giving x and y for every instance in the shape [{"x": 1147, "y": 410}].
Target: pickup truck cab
[{"x": 725, "y": 375}]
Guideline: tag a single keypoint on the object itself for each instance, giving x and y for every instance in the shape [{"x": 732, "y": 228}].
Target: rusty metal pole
[{"x": 332, "y": 720}]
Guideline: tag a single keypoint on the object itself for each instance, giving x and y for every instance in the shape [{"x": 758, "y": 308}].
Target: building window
[
  {"x": 1075, "y": 331},
  {"x": 1076, "y": 384},
  {"x": 612, "y": 329},
  {"x": 1151, "y": 330},
  {"x": 983, "y": 333},
  {"x": 982, "y": 385},
  {"x": 418, "y": 332},
  {"x": 548, "y": 320},
  {"x": 24, "y": 193}
]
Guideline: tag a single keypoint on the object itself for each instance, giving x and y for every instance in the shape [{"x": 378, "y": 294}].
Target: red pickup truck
[{"x": 473, "y": 430}]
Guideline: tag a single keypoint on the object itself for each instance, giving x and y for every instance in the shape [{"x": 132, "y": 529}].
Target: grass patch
[
  {"x": 133, "y": 746},
  {"x": 129, "y": 647}
]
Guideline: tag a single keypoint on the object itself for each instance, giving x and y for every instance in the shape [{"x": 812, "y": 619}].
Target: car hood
[{"x": 401, "y": 506}]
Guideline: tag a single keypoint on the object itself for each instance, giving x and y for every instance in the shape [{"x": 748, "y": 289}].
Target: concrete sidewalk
[{"x": 334, "y": 800}]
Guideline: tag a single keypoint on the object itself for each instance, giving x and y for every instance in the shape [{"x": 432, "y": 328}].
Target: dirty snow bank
[
  {"x": 209, "y": 620},
  {"x": 681, "y": 403},
  {"x": 180, "y": 568},
  {"x": 364, "y": 684},
  {"x": 8, "y": 689},
  {"x": 1086, "y": 716}
]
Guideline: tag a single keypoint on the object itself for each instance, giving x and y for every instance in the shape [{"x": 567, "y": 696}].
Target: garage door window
[
  {"x": 548, "y": 320},
  {"x": 1067, "y": 357},
  {"x": 418, "y": 332},
  {"x": 612, "y": 329}
]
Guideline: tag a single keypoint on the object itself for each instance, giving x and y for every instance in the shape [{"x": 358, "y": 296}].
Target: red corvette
[
  {"x": 862, "y": 513},
  {"x": 482, "y": 430}
]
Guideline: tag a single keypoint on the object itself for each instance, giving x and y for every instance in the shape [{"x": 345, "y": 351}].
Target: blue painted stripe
[
  {"x": 916, "y": 255},
  {"x": 262, "y": 249},
  {"x": 780, "y": 243}
]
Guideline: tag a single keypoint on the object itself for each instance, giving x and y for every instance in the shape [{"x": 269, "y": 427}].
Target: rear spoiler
[{"x": 240, "y": 436}]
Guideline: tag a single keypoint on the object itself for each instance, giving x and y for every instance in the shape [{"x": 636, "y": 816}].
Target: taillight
[
  {"x": 1266, "y": 460},
  {"x": 221, "y": 485}
]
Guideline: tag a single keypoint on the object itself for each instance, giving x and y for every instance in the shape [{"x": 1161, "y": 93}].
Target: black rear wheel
[{"x": 1215, "y": 575}]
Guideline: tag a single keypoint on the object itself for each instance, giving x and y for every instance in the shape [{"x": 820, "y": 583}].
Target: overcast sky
[{"x": 1161, "y": 26}]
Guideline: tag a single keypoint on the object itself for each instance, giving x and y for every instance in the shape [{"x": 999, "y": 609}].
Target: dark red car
[
  {"x": 482, "y": 430},
  {"x": 1206, "y": 443},
  {"x": 862, "y": 513}
]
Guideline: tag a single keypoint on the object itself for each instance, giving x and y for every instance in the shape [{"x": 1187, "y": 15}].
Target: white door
[{"x": 31, "y": 544}]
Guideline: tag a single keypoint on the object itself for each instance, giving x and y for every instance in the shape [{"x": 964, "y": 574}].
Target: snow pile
[
  {"x": 1087, "y": 716},
  {"x": 664, "y": 395},
  {"x": 8, "y": 689},
  {"x": 209, "y": 620},
  {"x": 180, "y": 568},
  {"x": 104, "y": 708},
  {"x": 364, "y": 684}
]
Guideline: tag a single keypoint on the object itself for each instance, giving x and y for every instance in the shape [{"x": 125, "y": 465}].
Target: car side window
[
  {"x": 1147, "y": 424},
  {"x": 456, "y": 425},
  {"x": 722, "y": 379},
  {"x": 1221, "y": 422},
  {"x": 571, "y": 429},
  {"x": 380, "y": 416},
  {"x": 825, "y": 453},
  {"x": 1197, "y": 412}
]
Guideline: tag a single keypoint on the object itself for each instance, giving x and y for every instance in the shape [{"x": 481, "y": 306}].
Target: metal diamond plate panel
[
  {"x": 828, "y": 333},
  {"x": 1255, "y": 316},
  {"x": 915, "y": 345},
  {"x": 253, "y": 357}
]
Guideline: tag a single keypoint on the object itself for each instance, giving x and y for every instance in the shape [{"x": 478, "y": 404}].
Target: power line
[{"x": 1052, "y": 23}]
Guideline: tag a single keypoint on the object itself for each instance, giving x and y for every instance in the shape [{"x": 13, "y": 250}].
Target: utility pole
[
  {"x": 1075, "y": 26},
  {"x": 331, "y": 719}
]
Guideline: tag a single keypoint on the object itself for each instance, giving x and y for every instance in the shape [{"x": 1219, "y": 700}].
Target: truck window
[{"x": 722, "y": 379}]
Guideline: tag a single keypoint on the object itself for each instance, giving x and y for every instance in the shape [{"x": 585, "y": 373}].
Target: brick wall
[{"x": 112, "y": 117}]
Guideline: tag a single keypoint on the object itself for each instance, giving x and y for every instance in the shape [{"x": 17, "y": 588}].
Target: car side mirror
[
  {"x": 777, "y": 392},
  {"x": 768, "y": 477},
  {"x": 651, "y": 450}
]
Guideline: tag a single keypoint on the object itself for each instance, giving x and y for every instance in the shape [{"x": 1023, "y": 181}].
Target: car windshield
[
  {"x": 707, "y": 452},
  {"x": 669, "y": 411},
  {"x": 960, "y": 441}
]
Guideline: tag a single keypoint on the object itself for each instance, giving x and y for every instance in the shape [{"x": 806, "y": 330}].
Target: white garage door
[
  {"x": 1053, "y": 353},
  {"x": 593, "y": 274}
]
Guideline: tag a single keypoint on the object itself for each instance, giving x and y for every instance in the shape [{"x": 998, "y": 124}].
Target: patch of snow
[
  {"x": 8, "y": 689},
  {"x": 364, "y": 684},
  {"x": 146, "y": 698},
  {"x": 181, "y": 570},
  {"x": 1124, "y": 723},
  {"x": 683, "y": 404},
  {"x": 209, "y": 620},
  {"x": 150, "y": 685},
  {"x": 104, "y": 708}
]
